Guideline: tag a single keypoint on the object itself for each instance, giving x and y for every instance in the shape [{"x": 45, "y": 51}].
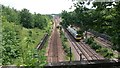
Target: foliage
[
  {"x": 103, "y": 17},
  {"x": 65, "y": 47},
  {"x": 106, "y": 53},
  {"x": 19, "y": 48},
  {"x": 20, "y": 37},
  {"x": 98, "y": 48},
  {"x": 38, "y": 21},
  {"x": 12, "y": 15},
  {"x": 89, "y": 40},
  {"x": 119, "y": 56},
  {"x": 10, "y": 42},
  {"x": 26, "y": 18}
]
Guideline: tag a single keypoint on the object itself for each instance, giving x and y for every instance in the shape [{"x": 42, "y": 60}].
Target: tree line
[
  {"x": 103, "y": 17},
  {"x": 25, "y": 18}
]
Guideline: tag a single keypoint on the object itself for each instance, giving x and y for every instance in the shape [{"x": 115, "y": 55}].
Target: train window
[
  {"x": 78, "y": 36},
  {"x": 57, "y": 27}
]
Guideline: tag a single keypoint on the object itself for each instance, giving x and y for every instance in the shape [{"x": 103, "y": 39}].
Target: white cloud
[{"x": 40, "y": 6}]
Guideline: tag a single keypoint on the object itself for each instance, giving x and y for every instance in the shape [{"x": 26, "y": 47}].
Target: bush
[
  {"x": 108, "y": 54},
  {"x": 97, "y": 50},
  {"x": 65, "y": 39},
  {"x": 98, "y": 46},
  {"x": 89, "y": 40},
  {"x": 93, "y": 45},
  {"x": 64, "y": 46},
  {"x": 104, "y": 50},
  {"x": 119, "y": 56}
]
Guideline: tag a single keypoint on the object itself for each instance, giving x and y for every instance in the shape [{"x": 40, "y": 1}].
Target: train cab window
[
  {"x": 78, "y": 36},
  {"x": 57, "y": 27}
]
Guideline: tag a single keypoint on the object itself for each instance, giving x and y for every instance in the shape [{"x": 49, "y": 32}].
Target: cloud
[{"x": 40, "y": 6}]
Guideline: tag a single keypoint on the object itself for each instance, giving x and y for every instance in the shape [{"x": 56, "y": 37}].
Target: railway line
[
  {"x": 82, "y": 50},
  {"x": 86, "y": 51},
  {"x": 92, "y": 53},
  {"x": 104, "y": 43},
  {"x": 55, "y": 51}
]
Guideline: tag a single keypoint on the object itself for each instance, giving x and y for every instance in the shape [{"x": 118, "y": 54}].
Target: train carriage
[{"x": 74, "y": 33}]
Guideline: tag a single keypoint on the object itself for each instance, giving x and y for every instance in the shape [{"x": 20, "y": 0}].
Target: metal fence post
[{"x": 70, "y": 54}]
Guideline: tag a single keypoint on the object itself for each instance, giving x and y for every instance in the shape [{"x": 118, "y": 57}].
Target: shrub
[
  {"x": 119, "y": 56},
  {"x": 97, "y": 50},
  {"x": 89, "y": 41},
  {"x": 93, "y": 45},
  {"x": 65, "y": 39}
]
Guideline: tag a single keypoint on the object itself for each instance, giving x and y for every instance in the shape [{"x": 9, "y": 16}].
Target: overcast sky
[{"x": 40, "y": 6}]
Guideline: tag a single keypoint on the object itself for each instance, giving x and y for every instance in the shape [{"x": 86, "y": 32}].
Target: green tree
[
  {"x": 11, "y": 14},
  {"x": 116, "y": 27},
  {"x": 26, "y": 19},
  {"x": 10, "y": 43},
  {"x": 40, "y": 21}
]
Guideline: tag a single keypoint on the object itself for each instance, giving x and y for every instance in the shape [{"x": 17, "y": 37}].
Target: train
[{"x": 74, "y": 33}]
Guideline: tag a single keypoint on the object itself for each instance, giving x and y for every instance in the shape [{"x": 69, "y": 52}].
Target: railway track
[
  {"x": 92, "y": 53},
  {"x": 87, "y": 52},
  {"x": 53, "y": 49},
  {"x": 102, "y": 42}
]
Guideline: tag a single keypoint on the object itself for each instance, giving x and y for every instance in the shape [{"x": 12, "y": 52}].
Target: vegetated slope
[{"x": 18, "y": 41}]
